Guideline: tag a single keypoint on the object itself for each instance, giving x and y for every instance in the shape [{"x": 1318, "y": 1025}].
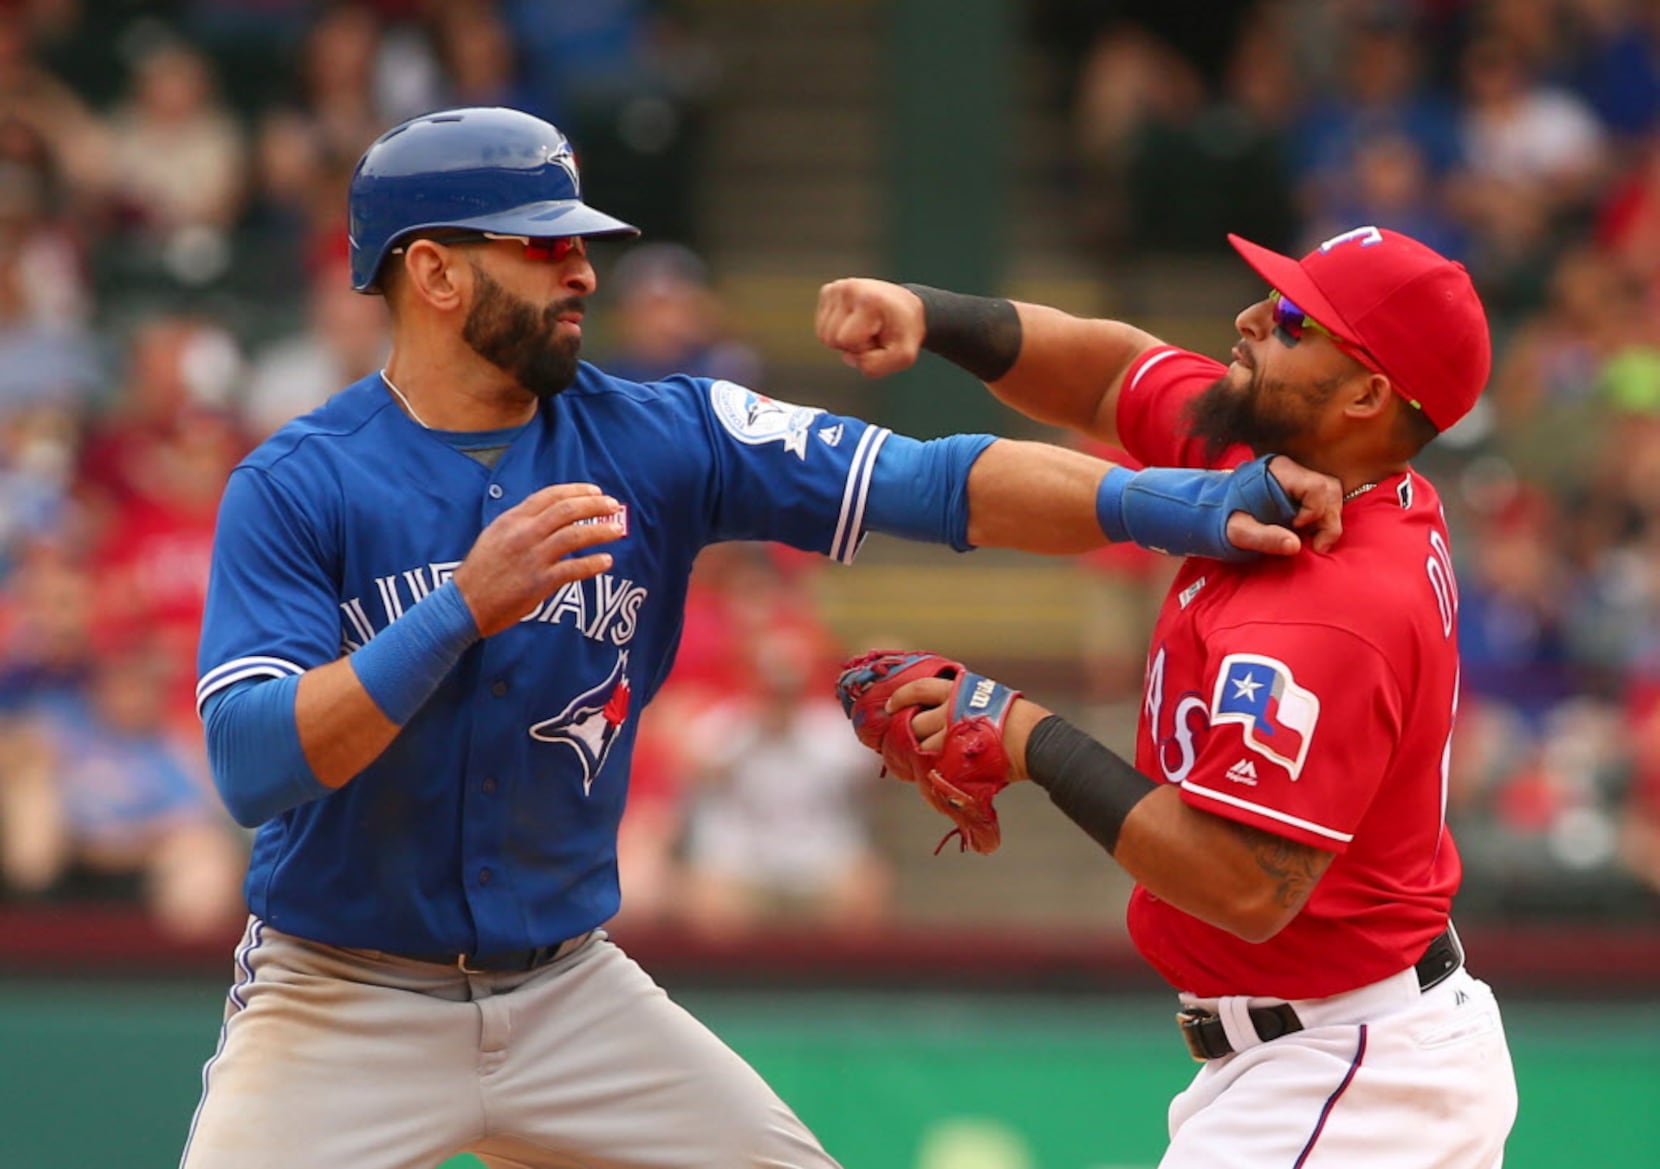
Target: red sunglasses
[{"x": 542, "y": 249}]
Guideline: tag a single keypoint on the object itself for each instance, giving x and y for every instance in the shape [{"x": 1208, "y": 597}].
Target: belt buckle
[
  {"x": 1189, "y": 1020},
  {"x": 461, "y": 965}
]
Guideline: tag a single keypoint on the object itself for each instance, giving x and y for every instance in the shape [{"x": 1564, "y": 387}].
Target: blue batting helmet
[{"x": 488, "y": 169}]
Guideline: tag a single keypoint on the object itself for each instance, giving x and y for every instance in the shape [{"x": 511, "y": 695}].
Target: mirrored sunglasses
[{"x": 1291, "y": 322}]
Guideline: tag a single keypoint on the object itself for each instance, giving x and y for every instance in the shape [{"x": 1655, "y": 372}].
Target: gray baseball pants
[{"x": 355, "y": 1059}]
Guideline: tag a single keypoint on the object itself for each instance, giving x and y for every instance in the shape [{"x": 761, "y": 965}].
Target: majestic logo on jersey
[
  {"x": 1244, "y": 772},
  {"x": 1278, "y": 715},
  {"x": 831, "y": 435},
  {"x": 755, "y": 419},
  {"x": 589, "y": 725}
]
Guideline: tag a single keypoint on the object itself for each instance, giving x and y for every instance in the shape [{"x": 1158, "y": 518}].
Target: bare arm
[
  {"x": 1058, "y": 369},
  {"x": 1041, "y": 498},
  {"x": 35, "y": 841},
  {"x": 1067, "y": 370},
  {"x": 1071, "y": 369},
  {"x": 342, "y": 731},
  {"x": 1235, "y": 877},
  {"x": 1238, "y": 878}
]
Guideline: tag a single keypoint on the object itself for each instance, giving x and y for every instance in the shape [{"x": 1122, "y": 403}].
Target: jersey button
[
  {"x": 495, "y": 491},
  {"x": 489, "y": 784},
  {"x": 499, "y": 687},
  {"x": 484, "y": 876}
]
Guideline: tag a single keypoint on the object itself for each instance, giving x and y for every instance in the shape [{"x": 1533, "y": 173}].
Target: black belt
[
  {"x": 1207, "y": 1039},
  {"x": 502, "y": 962}
]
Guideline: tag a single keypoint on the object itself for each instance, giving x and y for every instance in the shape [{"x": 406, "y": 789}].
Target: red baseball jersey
[{"x": 1312, "y": 697}]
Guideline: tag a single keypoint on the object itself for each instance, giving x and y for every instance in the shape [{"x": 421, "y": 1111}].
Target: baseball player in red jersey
[{"x": 1285, "y": 816}]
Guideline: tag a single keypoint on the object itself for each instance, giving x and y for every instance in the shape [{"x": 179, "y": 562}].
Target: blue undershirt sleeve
[
  {"x": 919, "y": 490},
  {"x": 253, "y": 744},
  {"x": 253, "y": 736}
]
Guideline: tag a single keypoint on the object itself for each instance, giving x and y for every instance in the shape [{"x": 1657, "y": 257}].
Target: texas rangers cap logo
[
  {"x": 589, "y": 723},
  {"x": 1277, "y": 715}
]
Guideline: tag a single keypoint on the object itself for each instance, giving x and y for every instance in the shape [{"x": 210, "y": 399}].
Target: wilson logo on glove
[{"x": 961, "y": 779}]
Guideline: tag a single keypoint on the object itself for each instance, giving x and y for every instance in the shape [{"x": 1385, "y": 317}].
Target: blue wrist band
[
  {"x": 402, "y": 665},
  {"x": 1185, "y": 512},
  {"x": 1109, "y": 504}
]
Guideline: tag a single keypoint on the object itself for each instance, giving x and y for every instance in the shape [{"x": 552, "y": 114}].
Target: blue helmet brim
[{"x": 554, "y": 218}]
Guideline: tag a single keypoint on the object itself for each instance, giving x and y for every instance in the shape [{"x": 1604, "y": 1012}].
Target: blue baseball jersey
[{"x": 490, "y": 822}]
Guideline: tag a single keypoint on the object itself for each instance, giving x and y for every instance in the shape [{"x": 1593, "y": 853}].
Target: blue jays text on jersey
[
  {"x": 490, "y": 821},
  {"x": 605, "y": 607}
]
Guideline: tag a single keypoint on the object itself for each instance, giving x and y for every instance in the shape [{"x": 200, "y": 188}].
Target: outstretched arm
[
  {"x": 1047, "y": 499},
  {"x": 1051, "y": 366},
  {"x": 1066, "y": 371},
  {"x": 975, "y": 491}
]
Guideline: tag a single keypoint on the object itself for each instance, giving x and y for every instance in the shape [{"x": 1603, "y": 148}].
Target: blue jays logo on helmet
[
  {"x": 482, "y": 168},
  {"x": 562, "y": 157}
]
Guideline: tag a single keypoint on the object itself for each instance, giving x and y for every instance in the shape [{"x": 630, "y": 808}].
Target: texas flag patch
[{"x": 1278, "y": 716}]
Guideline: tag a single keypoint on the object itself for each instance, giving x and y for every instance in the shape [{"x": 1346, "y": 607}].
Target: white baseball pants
[{"x": 1384, "y": 1077}]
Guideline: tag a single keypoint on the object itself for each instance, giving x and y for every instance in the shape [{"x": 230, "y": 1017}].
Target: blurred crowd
[
  {"x": 173, "y": 288},
  {"x": 1521, "y": 137}
]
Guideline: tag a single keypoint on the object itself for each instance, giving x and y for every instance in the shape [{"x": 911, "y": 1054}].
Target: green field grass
[{"x": 107, "y": 1074}]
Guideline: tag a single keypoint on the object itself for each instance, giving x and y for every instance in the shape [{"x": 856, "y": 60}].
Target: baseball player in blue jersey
[{"x": 438, "y": 605}]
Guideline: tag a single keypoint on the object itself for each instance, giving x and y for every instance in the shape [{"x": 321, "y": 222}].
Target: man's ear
[
  {"x": 435, "y": 275},
  {"x": 1371, "y": 397}
]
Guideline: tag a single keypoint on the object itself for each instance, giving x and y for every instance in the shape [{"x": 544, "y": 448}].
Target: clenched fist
[{"x": 876, "y": 326}]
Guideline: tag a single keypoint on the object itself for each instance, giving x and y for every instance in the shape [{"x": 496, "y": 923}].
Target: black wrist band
[
  {"x": 1093, "y": 786},
  {"x": 979, "y": 333}
]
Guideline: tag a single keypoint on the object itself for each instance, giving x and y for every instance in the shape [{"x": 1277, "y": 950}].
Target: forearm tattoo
[{"x": 1294, "y": 868}]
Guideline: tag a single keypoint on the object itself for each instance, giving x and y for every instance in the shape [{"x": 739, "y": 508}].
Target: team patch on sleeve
[
  {"x": 1278, "y": 716},
  {"x": 755, "y": 419}
]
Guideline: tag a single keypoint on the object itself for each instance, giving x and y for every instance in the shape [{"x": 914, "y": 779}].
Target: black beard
[
  {"x": 1222, "y": 416},
  {"x": 517, "y": 338}
]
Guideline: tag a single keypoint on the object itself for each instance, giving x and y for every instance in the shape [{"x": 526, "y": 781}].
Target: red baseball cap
[{"x": 1407, "y": 307}]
